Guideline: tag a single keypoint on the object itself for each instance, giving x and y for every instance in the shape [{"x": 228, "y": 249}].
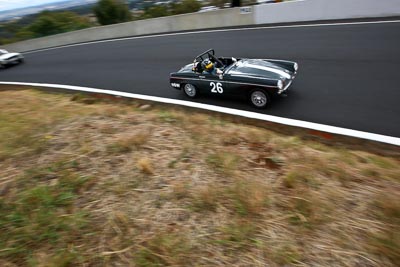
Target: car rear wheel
[
  {"x": 190, "y": 90},
  {"x": 259, "y": 98}
]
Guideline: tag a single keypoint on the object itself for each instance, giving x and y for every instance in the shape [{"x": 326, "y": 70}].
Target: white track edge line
[
  {"x": 211, "y": 31},
  {"x": 248, "y": 114}
]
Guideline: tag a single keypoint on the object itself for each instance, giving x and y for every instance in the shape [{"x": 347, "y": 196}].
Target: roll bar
[{"x": 209, "y": 53}]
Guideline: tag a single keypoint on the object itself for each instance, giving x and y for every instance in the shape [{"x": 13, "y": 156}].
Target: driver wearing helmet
[{"x": 209, "y": 68}]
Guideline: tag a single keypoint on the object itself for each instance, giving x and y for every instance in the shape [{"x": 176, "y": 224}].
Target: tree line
[{"x": 106, "y": 11}]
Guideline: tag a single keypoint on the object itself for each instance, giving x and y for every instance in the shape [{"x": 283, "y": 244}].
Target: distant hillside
[{"x": 65, "y": 5}]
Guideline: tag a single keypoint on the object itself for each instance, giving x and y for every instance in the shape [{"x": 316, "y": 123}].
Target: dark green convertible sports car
[{"x": 253, "y": 79}]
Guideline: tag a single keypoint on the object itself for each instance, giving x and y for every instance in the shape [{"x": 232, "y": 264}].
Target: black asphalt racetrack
[{"x": 349, "y": 75}]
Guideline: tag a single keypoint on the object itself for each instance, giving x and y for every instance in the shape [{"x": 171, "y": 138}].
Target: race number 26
[{"x": 216, "y": 88}]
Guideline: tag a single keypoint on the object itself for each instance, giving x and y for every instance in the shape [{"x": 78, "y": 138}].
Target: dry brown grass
[
  {"x": 164, "y": 249},
  {"x": 94, "y": 183},
  {"x": 206, "y": 198},
  {"x": 386, "y": 239},
  {"x": 223, "y": 162},
  {"x": 145, "y": 165},
  {"x": 249, "y": 197},
  {"x": 126, "y": 143}
]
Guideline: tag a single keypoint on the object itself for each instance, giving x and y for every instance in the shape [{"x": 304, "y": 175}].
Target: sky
[{"x": 14, "y": 4}]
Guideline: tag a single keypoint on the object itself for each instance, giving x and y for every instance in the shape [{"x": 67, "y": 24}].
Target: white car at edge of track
[{"x": 7, "y": 58}]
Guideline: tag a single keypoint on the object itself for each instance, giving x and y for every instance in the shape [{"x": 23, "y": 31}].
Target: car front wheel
[
  {"x": 190, "y": 90},
  {"x": 259, "y": 98}
]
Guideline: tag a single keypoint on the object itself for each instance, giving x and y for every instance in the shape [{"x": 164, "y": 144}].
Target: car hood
[
  {"x": 258, "y": 68},
  {"x": 8, "y": 55}
]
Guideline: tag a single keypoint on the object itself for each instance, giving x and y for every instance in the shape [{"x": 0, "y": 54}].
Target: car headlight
[
  {"x": 296, "y": 66},
  {"x": 280, "y": 84}
]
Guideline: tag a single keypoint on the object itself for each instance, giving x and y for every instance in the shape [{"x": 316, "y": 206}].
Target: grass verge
[{"x": 95, "y": 182}]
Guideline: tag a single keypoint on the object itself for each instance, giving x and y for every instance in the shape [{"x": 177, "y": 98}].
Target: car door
[{"x": 213, "y": 84}]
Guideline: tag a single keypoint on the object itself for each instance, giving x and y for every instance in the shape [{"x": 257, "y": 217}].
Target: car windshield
[
  {"x": 2, "y": 52},
  {"x": 187, "y": 68}
]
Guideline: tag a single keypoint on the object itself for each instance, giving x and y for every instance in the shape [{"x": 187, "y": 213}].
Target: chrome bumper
[{"x": 284, "y": 89}]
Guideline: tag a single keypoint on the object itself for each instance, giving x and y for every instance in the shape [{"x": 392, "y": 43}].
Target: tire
[
  {"x": 259, "y": 98},
  {"x": 190, "y": 90},
  {"x": 21, "y": 60}
]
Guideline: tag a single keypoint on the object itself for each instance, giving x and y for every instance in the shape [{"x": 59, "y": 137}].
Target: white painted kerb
[{"x": 242, "y": 113}]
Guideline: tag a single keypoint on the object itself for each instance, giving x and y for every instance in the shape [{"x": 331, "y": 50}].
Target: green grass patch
[
  {"x": 381, "y": 162},
  {"x": 169, "y": 116},
  {"x": 238, "y": 234},
  {"x": 223, "y": 162},
  {"x": 164, "y": 249},
  {"x": 41, "y": 215},
  {"x": 298, "y": 178}
]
